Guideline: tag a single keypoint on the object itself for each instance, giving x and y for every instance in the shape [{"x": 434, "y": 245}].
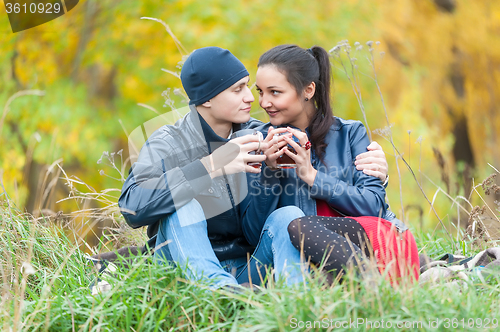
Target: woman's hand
[
  {"x": 305, "y": 170},
  {"x": 274, "y": 145},
  {"x": 373, "y": 162}
]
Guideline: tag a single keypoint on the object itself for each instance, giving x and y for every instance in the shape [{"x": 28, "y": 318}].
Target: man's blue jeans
[{"x": 184, "y": 240}]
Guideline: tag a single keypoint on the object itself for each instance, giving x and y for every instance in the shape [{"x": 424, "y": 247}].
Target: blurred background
[{"x": 72, "y": 89}]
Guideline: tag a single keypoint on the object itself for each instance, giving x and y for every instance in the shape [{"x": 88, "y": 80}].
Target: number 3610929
[{"x": 40, "y": 8}]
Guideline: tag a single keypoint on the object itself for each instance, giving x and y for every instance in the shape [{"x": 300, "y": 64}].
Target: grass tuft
[{"x": 54, "y": 295}]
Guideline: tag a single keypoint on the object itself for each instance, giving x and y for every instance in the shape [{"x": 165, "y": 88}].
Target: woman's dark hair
[{"x": 301, "y": 67}]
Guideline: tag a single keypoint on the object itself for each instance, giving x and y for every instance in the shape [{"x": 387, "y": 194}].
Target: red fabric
[
  {"x": 397, "y": 254},
  {"x": 324, "y": 210}
]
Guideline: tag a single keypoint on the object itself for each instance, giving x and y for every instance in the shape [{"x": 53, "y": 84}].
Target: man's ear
[
  {"x": 310, "y": 90},
  {"x": 207, "y": 104}
]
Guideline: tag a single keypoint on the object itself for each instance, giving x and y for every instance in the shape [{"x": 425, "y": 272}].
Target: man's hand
[
  {"x": 233, "y": 157},
  {"x": 373, "y": 162}
]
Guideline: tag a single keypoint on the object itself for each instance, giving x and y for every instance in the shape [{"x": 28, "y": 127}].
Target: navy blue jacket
[{"x": 338, "y": 182}]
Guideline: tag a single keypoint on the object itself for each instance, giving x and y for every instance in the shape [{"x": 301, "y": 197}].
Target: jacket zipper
[{"x": 231, "y": 198}]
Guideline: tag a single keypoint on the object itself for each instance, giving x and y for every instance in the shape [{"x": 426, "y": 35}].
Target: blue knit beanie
[{"x": 208, "y": 71}]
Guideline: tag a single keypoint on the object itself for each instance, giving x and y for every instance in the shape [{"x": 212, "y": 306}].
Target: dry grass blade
[
  {"x": 6, "y": 108},
  {"x": 181, "y": 48}
]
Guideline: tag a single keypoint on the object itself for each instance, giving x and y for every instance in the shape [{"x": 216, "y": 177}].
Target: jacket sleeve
[
  {"x": 157, "y": 185},
  {"x": 261, "y": 201},
  {"x": 365, "y": 197}
]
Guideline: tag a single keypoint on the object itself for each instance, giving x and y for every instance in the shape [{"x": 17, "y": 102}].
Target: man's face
[{"x": 233, "y": 104}]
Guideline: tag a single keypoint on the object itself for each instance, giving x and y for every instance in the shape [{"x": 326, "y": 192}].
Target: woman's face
[{"x": 280, "y": 99}]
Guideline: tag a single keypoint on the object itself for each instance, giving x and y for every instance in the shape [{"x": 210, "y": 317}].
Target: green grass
[{"x": 149, "y": 297}]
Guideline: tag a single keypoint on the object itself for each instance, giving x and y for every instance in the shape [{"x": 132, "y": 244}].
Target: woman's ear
[{"x": 310, "y": 90}]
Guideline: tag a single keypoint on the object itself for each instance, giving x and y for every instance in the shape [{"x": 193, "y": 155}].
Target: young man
[{"x": 190, "y": 184}]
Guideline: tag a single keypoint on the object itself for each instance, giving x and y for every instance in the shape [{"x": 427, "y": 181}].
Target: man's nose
[{"x": 249, "y": 98}]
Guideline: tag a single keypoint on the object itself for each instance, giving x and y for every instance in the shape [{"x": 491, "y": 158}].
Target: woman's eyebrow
[{"x": 269, "y": 87}]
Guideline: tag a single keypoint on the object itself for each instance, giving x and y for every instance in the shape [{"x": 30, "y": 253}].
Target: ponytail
[
  {"x": 323, "y": 118},
  {"x": 302, "y": 67}
]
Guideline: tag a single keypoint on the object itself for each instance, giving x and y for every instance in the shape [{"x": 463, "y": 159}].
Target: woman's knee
[
  {"x": 282, "y": 217},
  {"x": 294, "y": 226},
  {"x": 294, "y": 231},
  {"x": 289, "y": 212}
]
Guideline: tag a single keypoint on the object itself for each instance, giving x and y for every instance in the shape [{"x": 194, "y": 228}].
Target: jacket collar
[
  {"x": 337, "y": 124},
  {"x": 205, "y": 134}
]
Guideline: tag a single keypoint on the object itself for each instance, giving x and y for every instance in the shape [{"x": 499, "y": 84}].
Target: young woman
[{"x": 294, "y": 88}]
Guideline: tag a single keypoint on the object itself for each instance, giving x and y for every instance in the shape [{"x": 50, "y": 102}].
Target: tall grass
[{"x": 45, "y": 279}]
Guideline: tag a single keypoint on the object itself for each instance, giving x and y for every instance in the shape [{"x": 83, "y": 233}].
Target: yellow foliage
[
  {"x": 424, "y": 47},
  {"x": 464, "y": 43}
]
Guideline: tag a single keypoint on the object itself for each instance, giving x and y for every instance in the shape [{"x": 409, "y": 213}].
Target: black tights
[{"x": 339, "y": 241}]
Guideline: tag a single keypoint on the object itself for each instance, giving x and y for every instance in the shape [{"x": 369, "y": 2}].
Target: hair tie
[{"x": 310, "y": 51}]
